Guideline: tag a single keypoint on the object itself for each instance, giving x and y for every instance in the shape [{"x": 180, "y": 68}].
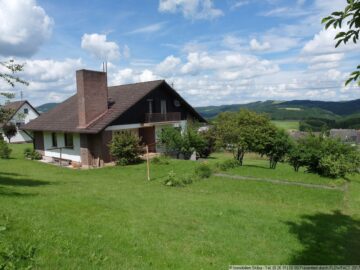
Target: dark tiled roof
[
  {"x": 16, "y": 105},
  {"x": 64, "y": 117}
]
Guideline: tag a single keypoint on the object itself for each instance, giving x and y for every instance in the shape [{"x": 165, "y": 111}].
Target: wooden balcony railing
[{"x": 162, "y": 117}]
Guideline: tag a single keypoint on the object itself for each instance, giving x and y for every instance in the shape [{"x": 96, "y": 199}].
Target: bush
[
  {"x": 125, "y": 148},
  {"x": 173, "y": 180},
  {"x": 228, "y": 164},
  {"x": 203, "y": 171},
  {"x": 4, "y": 150},
  {"x": 208, "y": 145},
  {"x": 32, "y": 154},
  {"x": 162, "y": 160},
  {"x": 325, "y": 156},
  {"x": 9, "y": 130}
]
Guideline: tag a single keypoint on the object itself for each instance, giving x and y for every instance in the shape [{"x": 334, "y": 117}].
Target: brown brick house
[{"x": 82, "y": 126}]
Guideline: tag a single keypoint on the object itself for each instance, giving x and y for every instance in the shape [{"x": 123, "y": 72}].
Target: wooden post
[
  {"x": 147, "y": 163},
  {"x": 60, "y": 157}
]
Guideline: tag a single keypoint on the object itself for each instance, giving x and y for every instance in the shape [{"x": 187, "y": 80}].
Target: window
[
  {"x": 54, "y": 139},
  {"x": 150, "y": 105},
  {"x": 69, "y": 142},
  {"x": 163, "y": 106},
  {"x": 26, "y": 111}
]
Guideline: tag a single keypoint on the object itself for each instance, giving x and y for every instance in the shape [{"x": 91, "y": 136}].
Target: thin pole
[{"x": 147, "y": 162}]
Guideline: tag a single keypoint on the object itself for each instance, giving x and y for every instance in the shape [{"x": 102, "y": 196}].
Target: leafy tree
[
  {"x": 351, "y": 16},
  {"x": 242, "y": 132},
  {"x": 182, "y": 143},
  {"x": 9, "y": 130},
  {"x": 10, "y": 77},
  {"x": 325, "y": 156},
  {"x": 126, "y": 148},
  {"x": 277, "y": 147},
  {"x": 209, "y": 138}
]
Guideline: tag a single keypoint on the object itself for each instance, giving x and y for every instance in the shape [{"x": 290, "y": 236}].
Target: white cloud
[
  {"x": 191, "y": 9},
  {"x": 168, "y": 66},
  {"x": 126, "y": 51},
  {"x": 257, "y": 46},
  {"x": 98, "y": 46},
  {"x": 24, "y": 26},
  {"x": 239, "y": 3},
  {"x": 151, "y": 28}
]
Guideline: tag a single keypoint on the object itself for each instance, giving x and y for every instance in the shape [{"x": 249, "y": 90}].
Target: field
[
  {"x": 113, "y": 218},
  {"x": 286, "y": 124}
]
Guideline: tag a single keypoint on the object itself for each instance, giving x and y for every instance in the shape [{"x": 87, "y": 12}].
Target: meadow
[{"x": 113, "y": 218}]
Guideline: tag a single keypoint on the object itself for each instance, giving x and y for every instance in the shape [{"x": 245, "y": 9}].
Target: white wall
[
  {"x": 70, "y": 154},
  {"x": 20, "y": 117}
]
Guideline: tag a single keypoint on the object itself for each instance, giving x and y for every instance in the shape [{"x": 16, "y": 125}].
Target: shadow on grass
[
  {"x": 8, "y": 192},
  {"x": 7, "y": 179},
  {"x": 327, "y": 239}
]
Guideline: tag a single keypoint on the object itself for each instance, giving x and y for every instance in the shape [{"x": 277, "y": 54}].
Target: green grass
[
  {"x": 287, "y": 124},
  {"x": 112, "y": 218}
]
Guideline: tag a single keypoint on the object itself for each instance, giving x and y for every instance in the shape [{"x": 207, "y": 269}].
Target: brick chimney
[{"x": 92, "y": 94}]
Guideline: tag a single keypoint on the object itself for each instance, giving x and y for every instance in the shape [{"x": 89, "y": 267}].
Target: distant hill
[
  {"x": 290, "y": 110},
  {"x": 46, "y": 107}
]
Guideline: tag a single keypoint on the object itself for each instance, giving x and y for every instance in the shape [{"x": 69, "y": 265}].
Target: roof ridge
[{"x": 127, "y": 84}]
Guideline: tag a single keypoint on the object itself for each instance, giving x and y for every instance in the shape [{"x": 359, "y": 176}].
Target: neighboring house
[
  {"x": 82, "y": 126},
  {"x": 23, "y": 113},
  {"x": 297, "y": 135},
  {"x": 346, "y": 135}
]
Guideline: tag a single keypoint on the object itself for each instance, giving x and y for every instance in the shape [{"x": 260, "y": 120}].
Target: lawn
[
  {"x": 286, "y": 124},
  {"x": 112, "y": 218}
]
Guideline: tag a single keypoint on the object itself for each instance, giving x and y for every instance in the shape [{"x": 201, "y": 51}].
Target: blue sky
[{"x": 213, "y": 51}]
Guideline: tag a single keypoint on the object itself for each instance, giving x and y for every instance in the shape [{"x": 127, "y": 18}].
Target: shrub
[
  {"x": 228, "y": 164},
  {"x": 325, "y": 156},
  {"x": 182, "y": 143},
  {"x": 162, "y": 160},
  {"x": 32, "y": 154},
  {"x": 209, "y": 140},
  {"x": 4, "y": 150},
  {"x": 172, "y": 180},
  {"x": 125, "y": 148},
  {"x": 203, "y": 171}
]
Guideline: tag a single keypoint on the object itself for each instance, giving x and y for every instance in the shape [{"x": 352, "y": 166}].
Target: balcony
[{"x": 162, "y": 117}]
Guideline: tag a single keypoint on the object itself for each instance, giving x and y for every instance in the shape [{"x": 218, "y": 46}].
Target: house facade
[
  {"x": 22, "y": 113},
  {"x": 80, "y": 129}
]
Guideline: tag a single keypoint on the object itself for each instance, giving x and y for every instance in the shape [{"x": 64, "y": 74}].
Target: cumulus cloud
[
  {"x": 257, "y": 46},
  {"x": 168, "y": 66},
  {"x": 191, "y": 9},
  {"x": 24, "y": 27},
  {"x": 98, "y": 46}
]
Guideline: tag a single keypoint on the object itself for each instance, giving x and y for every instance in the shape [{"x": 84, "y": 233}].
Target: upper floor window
[
  {"x": 150, "y": 101},
  {"x": 69, "y": 141},
  {"x": 163, "y": 106},
  {"x": 26, "y": 110},
  {"x": 54, "y": 139}
]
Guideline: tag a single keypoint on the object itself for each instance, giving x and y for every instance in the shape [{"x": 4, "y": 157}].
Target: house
[
  {"x": 346, "y": 135},
  {"x": 81, "y": 128},
  {"x": 22, "y": 113}
]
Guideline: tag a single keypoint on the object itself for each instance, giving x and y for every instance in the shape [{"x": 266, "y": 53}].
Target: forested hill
[{"x": 290, "y": 110}]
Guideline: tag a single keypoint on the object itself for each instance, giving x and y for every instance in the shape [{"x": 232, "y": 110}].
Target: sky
[{"x": 212, "y": 51}]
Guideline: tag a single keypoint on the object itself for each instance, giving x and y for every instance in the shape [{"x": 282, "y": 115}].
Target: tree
[
  {"x": 277, "y": 147},
  {"x": 242, "y": 132},
  {"x": 10, "y": 77},
  {"x": 182, "y": 143},
  {"x": 126, "y": 148},
  {"x": 351, "y": 16},
  {"x": 9, "y": 130}
]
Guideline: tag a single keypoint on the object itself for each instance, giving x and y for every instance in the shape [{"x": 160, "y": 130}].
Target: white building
[{"x": 22, "y": 113}]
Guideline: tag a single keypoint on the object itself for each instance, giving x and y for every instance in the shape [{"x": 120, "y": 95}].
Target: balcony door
[{"x": 163, "y": 106}]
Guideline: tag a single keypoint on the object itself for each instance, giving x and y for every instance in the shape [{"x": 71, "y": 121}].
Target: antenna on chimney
[
  {"x": 105, "y": 66},
  {"x": 21, "y": 95}
]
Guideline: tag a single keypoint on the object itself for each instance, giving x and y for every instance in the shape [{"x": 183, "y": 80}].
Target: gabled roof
[
  {"x": 15, "y": 106},
  {"x": 64, "y": 117}
]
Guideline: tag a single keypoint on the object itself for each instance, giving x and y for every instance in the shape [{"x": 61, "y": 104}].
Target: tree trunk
[{"x": 240, "y": 156}]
